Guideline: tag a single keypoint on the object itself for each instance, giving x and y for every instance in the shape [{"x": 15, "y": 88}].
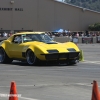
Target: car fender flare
[
  {"x": 29, "y": 48},
  {"x": 72, "y": 45},
  {"x": 6, "y": 51},
  {"x": 3, "y": 45}
]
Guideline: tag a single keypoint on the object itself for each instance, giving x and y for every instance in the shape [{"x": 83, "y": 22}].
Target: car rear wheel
[
  {"x": 4, "y": 57},
  {"x": 31, "y": 58}
]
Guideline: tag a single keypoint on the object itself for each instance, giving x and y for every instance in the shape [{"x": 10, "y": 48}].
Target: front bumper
[{"x": 62, "y": 56}]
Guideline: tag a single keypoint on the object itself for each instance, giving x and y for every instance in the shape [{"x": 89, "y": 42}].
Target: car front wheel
[
  {"x": 31, "y": 58},
  {"x": 73, "y": 62}
]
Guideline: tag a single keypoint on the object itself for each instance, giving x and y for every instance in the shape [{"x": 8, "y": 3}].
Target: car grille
[{"x": 71, "y": 55}]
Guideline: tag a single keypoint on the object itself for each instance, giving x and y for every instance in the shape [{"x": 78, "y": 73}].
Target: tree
[
  {"x": 94, "y": 27},
  {"x": 89, "y": 4}
]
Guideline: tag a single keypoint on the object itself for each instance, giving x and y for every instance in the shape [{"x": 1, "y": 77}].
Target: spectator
[
  {"x": 0, "y": 35},
  {"x": 70, "y": 37},
  {"x": 82, "y": 34},
  {"x": 5, "y": 34},
  {"x": 77, "y": 34}
]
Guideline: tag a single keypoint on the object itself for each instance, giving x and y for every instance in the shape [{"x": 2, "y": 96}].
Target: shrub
[{"x": 94, "y": 27}]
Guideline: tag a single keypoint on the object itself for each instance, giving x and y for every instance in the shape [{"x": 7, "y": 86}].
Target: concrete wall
[{"x": 45, "y": 15}]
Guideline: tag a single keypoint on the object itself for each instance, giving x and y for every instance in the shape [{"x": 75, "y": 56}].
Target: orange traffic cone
[
  {"x": 95, "y": 91},
  {"x": 13, "y": 92}
]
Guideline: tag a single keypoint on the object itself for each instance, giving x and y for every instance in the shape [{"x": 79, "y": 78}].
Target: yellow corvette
[{"x": 37, "y": 46}]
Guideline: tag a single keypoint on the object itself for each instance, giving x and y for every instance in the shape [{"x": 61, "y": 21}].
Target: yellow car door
[
  {"x": 16, "y": 47},
  {"x": 16, "y": 50}
]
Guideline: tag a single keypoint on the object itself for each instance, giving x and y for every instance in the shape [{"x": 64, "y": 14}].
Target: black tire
[
  {"x": 73, "y": 62},
  {"x": 31, "y": 58},
  {"x": 4, "y": 57}
]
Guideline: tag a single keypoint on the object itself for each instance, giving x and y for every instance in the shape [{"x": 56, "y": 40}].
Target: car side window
[
  {"x": 26, "y": 38},
  {"x": 17, "y": 39}
]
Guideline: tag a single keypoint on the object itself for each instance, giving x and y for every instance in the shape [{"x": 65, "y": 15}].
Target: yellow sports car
[{"x": 33, "y": 47}]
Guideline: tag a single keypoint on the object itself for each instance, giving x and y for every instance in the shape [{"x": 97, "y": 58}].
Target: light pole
[
  {"x": 22, "y": 28},
  {"x": 12, "y": 15},
  {"x": 1, "y": 33},
  {"x": 37, "y": 15}
]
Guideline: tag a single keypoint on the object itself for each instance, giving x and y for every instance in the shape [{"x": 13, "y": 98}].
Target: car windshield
[{"x": 37, "y": 37}]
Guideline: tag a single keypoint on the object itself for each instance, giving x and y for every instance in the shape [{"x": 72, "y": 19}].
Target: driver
[{"x": 19, "y": 39}]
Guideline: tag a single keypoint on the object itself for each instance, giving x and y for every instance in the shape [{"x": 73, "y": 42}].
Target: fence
[{"x": 78, "y": 39}]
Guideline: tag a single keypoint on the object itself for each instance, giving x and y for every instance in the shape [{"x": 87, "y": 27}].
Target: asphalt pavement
[{"x": 53, "y": 82}]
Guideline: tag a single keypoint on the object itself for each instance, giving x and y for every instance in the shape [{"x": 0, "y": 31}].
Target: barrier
[
  {"x": 3, "y": 38},
  {"x": 94, "y": 39},
  {"x": 98, "y": 39},
  {"x": 78, "y": 39},
  {"x": 75, "y": 39},
  {"x": 87, "y": 40},
  {"x": 61, "y": 39}
]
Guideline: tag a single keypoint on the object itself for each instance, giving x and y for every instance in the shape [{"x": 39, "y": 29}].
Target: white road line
[
  {"x": 25, "y": 98},
  {"x": 6, "y": 96},
  {"x": 15, "y": 70},
  {"x": 93, "y": 62},
  {"x": 83, "y": 84},
  {"x": 38, "y": 85}
]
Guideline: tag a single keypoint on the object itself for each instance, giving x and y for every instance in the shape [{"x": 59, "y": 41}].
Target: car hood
[{"x": 53, "y": 45}]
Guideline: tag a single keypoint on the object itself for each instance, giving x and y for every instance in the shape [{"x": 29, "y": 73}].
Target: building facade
[{"x": 44, "y": 15}]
